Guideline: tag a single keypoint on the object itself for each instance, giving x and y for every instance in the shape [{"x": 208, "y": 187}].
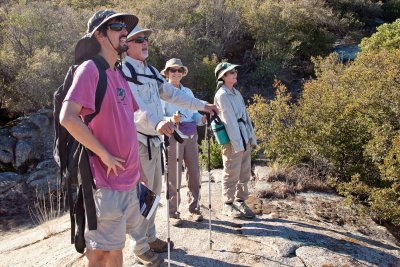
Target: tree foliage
[
  {"x": 266, "y": 37},
  {"x": 348, "y": 120}
]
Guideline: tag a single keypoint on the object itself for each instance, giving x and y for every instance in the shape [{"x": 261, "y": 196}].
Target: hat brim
[
  {"x": 130, "y": 20},
  {"x": 147, "y": 32},
  {"x": 222, "y": 73},
  {"x": 178, "y": 66}
]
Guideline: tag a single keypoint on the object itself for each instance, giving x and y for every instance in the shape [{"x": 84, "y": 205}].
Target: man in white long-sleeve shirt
[{"x": 148, "y": 92}]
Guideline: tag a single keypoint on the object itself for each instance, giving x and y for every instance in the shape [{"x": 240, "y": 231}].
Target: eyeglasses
[
  {"x": 172, "y": 70},
  {"x": 232, "y": 71},
  {"x": 140, "y": 39},
  {"x": 117, "y": 26}
]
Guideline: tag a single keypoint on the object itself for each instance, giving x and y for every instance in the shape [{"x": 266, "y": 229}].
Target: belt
[{"x": 148, "y": 142}]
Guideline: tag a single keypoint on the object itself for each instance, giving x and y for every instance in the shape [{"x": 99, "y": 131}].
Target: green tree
[{"x": 387, "y": 36}]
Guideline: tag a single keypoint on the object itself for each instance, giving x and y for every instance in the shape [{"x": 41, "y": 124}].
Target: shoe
[
  {"x": 176, "y": 221},
  {"x": 229, "y": 210},
  {"x": 244, "y": 209},
  {"x": 160, "y": 246},
  {"x": 150, "y": 258},
  {"x": 196, "y": 216}
]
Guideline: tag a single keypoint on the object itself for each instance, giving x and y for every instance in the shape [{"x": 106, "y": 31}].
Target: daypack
[{"x": 71, "y": 156}]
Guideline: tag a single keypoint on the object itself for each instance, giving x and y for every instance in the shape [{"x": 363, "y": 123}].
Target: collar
[
  {"x": 233, "y": 92},
  {"x": 136, "y": 63}
]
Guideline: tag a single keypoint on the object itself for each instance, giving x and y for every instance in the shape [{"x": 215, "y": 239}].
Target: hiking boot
[
  {"x": 176, "y": 221},
  {"x": 196, "y": 216},
  {"x": 229, "y": 210},
  {"x": 150, "y": 258},
  {"x": 244, "y": 209},
  {"x": 160, "y": 246}
]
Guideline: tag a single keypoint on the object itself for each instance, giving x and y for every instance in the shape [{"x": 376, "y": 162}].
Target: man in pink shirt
[{"x": 112, "y": 138}]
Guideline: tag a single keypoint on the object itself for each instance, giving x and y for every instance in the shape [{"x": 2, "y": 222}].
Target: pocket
[
  {"x": 107, "y": 204},
  {"x": 145, "y": 93}
]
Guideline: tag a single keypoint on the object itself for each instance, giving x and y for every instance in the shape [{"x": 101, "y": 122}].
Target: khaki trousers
[
  {"x": 152, "y": 170},
  {"x": 188, "y": 152},
  {"x": 236, "y": 173}
]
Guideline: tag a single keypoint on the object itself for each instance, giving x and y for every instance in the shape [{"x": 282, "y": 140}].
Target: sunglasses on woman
[
  {"x": 117, "y": 26},
  {"x": 172, "y": 70},
  {"x": 140, "y": 39}
]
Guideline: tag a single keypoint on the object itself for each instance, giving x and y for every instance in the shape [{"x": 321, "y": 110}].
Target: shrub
[
  {"x": 387, "y": 36},
  {"x": 41, "y": 50},
  {"x": 215, "y": 155},
  {"x": 346, "y": 121}
]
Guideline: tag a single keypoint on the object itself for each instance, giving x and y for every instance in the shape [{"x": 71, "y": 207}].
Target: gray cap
[
  {"x": 102, "y": 16},
  {"x": 137, "y": 29}
]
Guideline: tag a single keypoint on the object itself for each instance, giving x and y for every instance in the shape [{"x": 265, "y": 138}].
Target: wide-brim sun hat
[
  {"x": 174, "y": 62},
  {"x": 223, "y": 68},
  {"x": 136, "y": 30},
  {"x": 103, "y": 16}
]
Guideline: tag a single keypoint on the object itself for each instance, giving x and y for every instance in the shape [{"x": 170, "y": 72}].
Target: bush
[
  {"x": 346, "y": 121},
  {"x": 41, "y": 50},
  {"x": 392, "y": 9},
  {"x": 215, "y": 155},
  {"x": 387, "y": 37}
]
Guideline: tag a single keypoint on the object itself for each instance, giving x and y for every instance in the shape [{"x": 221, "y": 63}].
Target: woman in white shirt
[
  {"x": 236, "y": 155},
  {"x": 186, "y": 121}
]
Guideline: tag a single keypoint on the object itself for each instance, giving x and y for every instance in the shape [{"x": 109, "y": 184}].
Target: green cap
[{"x": 222, "y": 68}]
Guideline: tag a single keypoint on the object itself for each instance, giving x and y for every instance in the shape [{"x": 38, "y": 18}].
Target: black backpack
[{"x": 71, "y": 156}]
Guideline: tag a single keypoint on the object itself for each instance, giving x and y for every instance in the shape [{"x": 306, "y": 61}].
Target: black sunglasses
[
  {"x": 172, "y": 70},
  {"x": 117, "y": 26},
  {"x": 140, "y": 39}
]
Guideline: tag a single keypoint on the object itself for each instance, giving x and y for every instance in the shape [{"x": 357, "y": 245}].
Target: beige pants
[
  {"x": 188, "y": 152},
  {"x": 236, "y": 173},
  {"x": 152, "y": 170}
]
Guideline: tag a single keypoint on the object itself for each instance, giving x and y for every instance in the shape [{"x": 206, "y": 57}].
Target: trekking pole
[
  {"x": 209, "y": 178},
  {"x": 178, "y": 173},
  {"x": 166, "y": 144},
  {"x": 203, "y": 167}
]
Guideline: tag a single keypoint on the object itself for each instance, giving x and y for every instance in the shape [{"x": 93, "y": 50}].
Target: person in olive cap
[
  {"x": 236, "y": 155},
  {"x": 112, "y": 138},
  {"x": 149, "y": 88}
]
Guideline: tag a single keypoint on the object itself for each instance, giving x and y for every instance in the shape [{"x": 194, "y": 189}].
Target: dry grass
[
  {"x": 288, "y": 181},
  {"x": 47, "y": 207}
]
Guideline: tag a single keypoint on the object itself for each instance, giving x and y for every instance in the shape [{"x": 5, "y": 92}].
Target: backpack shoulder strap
[
  {"x": 101, "y": 88},
  {"x": 152, "y": 69},
  {"x": 133, "y": 73}
]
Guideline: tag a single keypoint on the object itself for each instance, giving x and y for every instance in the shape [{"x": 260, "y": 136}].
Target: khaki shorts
[{"x": 117, "y": 214}]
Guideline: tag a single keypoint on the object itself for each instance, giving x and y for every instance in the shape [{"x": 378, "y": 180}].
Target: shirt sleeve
[
  {"x": 170, "y": 94},
  {"x": 228, "y": 117},
  {"x": 83, "y": 87}
]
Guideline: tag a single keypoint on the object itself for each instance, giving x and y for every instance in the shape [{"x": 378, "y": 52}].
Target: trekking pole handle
[{"x": 178, "y": 137}]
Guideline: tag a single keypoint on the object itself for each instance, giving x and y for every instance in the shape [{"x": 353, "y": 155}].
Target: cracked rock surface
[{"x": 309, "y": 229}]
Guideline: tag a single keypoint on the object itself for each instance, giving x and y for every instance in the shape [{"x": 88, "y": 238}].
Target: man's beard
[{"x": 122, "y": 48}]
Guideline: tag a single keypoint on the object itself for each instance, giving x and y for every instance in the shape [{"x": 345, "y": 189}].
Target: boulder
[
  {"x": 7, "y": 144},
  {"x": 23, "y": 153}
]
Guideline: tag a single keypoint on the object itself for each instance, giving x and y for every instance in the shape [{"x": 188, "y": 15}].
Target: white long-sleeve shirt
[
  {"x": 149, "y": 95},
  {"x": 232, "y": 107}
]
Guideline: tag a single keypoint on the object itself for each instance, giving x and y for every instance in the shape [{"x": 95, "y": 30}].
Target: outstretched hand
[
  {"x": 211, "y": 108},
  {"x": 112, "y": 163}
]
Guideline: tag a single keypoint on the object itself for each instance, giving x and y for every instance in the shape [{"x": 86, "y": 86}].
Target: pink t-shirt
[{"x": 113, "y": 126}]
